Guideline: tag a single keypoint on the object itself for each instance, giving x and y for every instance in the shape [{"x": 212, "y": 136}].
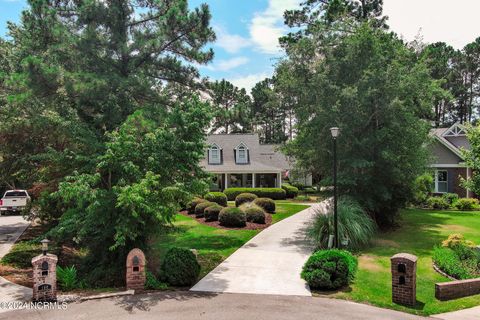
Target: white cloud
[
  {"x": 231, "y": 43},
  {"x": 249, "y": 81},
  {"x": 267, "y": 26},
  {"x": 454, "y": 22},
  {"x": 228, "y": 64}
]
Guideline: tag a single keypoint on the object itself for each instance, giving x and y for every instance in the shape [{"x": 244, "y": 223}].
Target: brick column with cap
[
  {"x": 135, "y": 270},
  {"x": 404, "y": 279},
  {"x": 45, "y": 277}
]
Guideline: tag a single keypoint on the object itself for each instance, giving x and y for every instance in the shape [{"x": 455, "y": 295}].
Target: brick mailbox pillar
[
  {"x": 45, "y": 277},
  {"x": 135, "y": 270},
  {"x": 404, "y": 279}
]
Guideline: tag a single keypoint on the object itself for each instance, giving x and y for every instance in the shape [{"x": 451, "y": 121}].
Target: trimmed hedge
[
  {"x": 244, "y": 198},
  {"x": 180, "y": 267},
  {"x": 193, "y": 204},
  {"x": 330, "y": 269},
  {"x": 217, "y": 197},
  {"x": 253, "y": 213},
  {"x": 272, "y": 193},
  {"x": 466, "y": 204},
  {"x": 266, "y": 204},
  {"x": 200, "y": 208},
  {"x": 232, "y": 217},
  {"x": 291, "y": 191},
  {"x": 211, "y": 213}
]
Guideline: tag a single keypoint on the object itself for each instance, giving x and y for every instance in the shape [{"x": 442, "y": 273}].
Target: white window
[
  {"x": 214, "y": 155},
  {"x": 242, "y": 154},
  {"x": 441, "y": 181}
]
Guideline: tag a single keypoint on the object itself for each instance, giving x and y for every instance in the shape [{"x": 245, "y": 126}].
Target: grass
[
  {"x": 212, "y": 244},
  {"x": 420, "y": 231}
]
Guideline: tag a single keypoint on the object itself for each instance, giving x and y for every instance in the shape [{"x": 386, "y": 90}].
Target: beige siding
[{"x": 443, "y": 155}]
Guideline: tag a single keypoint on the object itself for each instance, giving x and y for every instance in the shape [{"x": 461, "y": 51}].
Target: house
[
  {"x": 239, "y": 160},
  {"x": 448, "y": 163}
]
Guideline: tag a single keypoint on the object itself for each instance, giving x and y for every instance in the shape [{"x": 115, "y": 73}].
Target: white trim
[
  {"x": 449, "y": 146},
  {"x": 449, "y": 165},
  {"x": 456, "y": 130},
  {"x": 435, "y": 180},
  {"x": 244, "y": 160},
  {"x": 212, "y": 147}
]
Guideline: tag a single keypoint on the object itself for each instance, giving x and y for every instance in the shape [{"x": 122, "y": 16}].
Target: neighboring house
[
  {"x": 239, "y": 160},
  {"x": 448, "y": 162}
]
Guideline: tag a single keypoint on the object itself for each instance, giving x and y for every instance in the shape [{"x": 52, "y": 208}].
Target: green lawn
[
  {"x": 420, "y": 231},
  {"x": 213, "y": 245}
]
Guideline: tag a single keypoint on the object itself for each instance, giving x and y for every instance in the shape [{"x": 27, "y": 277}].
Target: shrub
[
  {"x": 447, "y": 260},
  {"x": 211, "y": 213},
  {"x": 253, "y": 213},
  {"x": 152, "y": 283},
  {"x": 456, "y": 239},
  {"x": 243, "y": 198},
  {"x": 466, "y": 204},
  {"x": 180, "y": 267},
  {"x": 200, "y": 208},
  {"x": 291, "y": 191},
  {"x": 329, "y": 269},
  {"x": 309, "y": 190},
  {"x": 302, "y": 198},
  {"x": 266, "y": 203},
  {"x": 272, "y": 193},
  {"x": 191, "y": 206},
  {"x": 217, "y": 197},
  {"x": 437, "y": 203},
  {"x": 232, "y": 217},
  {"x": 421, "y": 188},
  {"x": 67, "y": 278},
  {"x": 451, "y": 198},
  {"x": 353, "y": 223}
]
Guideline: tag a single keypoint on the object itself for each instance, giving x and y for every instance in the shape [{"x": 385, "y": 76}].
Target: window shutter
[
  {"x": 235, "y": 155},
  {"x": 221, "y": 156},
  {"x": 248, "y": 156},
  {"x": 208, "y": 156}
]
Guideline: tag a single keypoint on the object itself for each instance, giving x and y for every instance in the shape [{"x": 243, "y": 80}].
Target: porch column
[
  {"x": 279, "y": 180},
  {"x": 253, "y": 180},
  {"x": 468, "y": 177},
  {"x": 226, "y": 180}
]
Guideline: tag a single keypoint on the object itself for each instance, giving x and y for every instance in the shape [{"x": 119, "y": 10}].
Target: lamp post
[
  {"x": 45, "y": 243},
  {"x": 335, "y": 132}
]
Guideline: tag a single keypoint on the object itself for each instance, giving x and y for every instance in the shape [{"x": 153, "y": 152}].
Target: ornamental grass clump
[{"x": 354, "y": 225}]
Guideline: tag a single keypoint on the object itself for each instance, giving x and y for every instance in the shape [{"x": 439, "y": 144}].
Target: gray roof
[
  {"x": 263, "y": 158},
  {"x": 453, "y": 143}
]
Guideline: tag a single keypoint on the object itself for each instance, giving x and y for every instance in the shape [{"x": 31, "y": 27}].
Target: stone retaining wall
[{"x": 457, "y": 289}]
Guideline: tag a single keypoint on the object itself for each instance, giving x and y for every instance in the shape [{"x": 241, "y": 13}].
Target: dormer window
[
  {"x": 214, "y": 154},
  {"x": 241, "y": 154}
]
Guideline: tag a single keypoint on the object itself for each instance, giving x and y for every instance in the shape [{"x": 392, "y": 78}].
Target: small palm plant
[{"x": 67, "y": 278}]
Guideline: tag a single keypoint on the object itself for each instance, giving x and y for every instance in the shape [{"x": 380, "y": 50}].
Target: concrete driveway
[
  {"x": 204, "y": 306},
  {"x": 11, "y": 228},
  {"x": 270, "y": 263}
]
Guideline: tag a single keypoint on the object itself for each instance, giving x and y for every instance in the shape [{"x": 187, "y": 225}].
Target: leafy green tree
[
  {"x": 76, "y": 70},
  {"x": 232, "y": 110},
  {"x": 149, "y": 168},
  {"x": 472, "y": 160},
  {"x": 377, "y": 91}
]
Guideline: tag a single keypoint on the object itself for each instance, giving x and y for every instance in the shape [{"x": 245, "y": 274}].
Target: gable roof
[
  {"x": 445, "y": 135},
  {"x": 263, "y": 158}
]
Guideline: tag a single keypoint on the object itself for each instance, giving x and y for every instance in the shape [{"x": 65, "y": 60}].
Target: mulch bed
[{"x": 216, "y": 224}]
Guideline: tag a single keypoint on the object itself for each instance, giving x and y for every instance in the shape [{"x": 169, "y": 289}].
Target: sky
[{"x": 247, "y": 31}]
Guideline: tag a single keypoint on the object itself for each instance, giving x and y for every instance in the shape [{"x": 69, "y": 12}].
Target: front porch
[{"x": 222, "y": 181}]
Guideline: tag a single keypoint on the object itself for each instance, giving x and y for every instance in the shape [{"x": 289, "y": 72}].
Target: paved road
[
  {"x": 270, "y": 263},
  {"x": 466, "y": 314},
  {"x": 204, "y": 306},
  {"x": 11, "y": 228}
]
